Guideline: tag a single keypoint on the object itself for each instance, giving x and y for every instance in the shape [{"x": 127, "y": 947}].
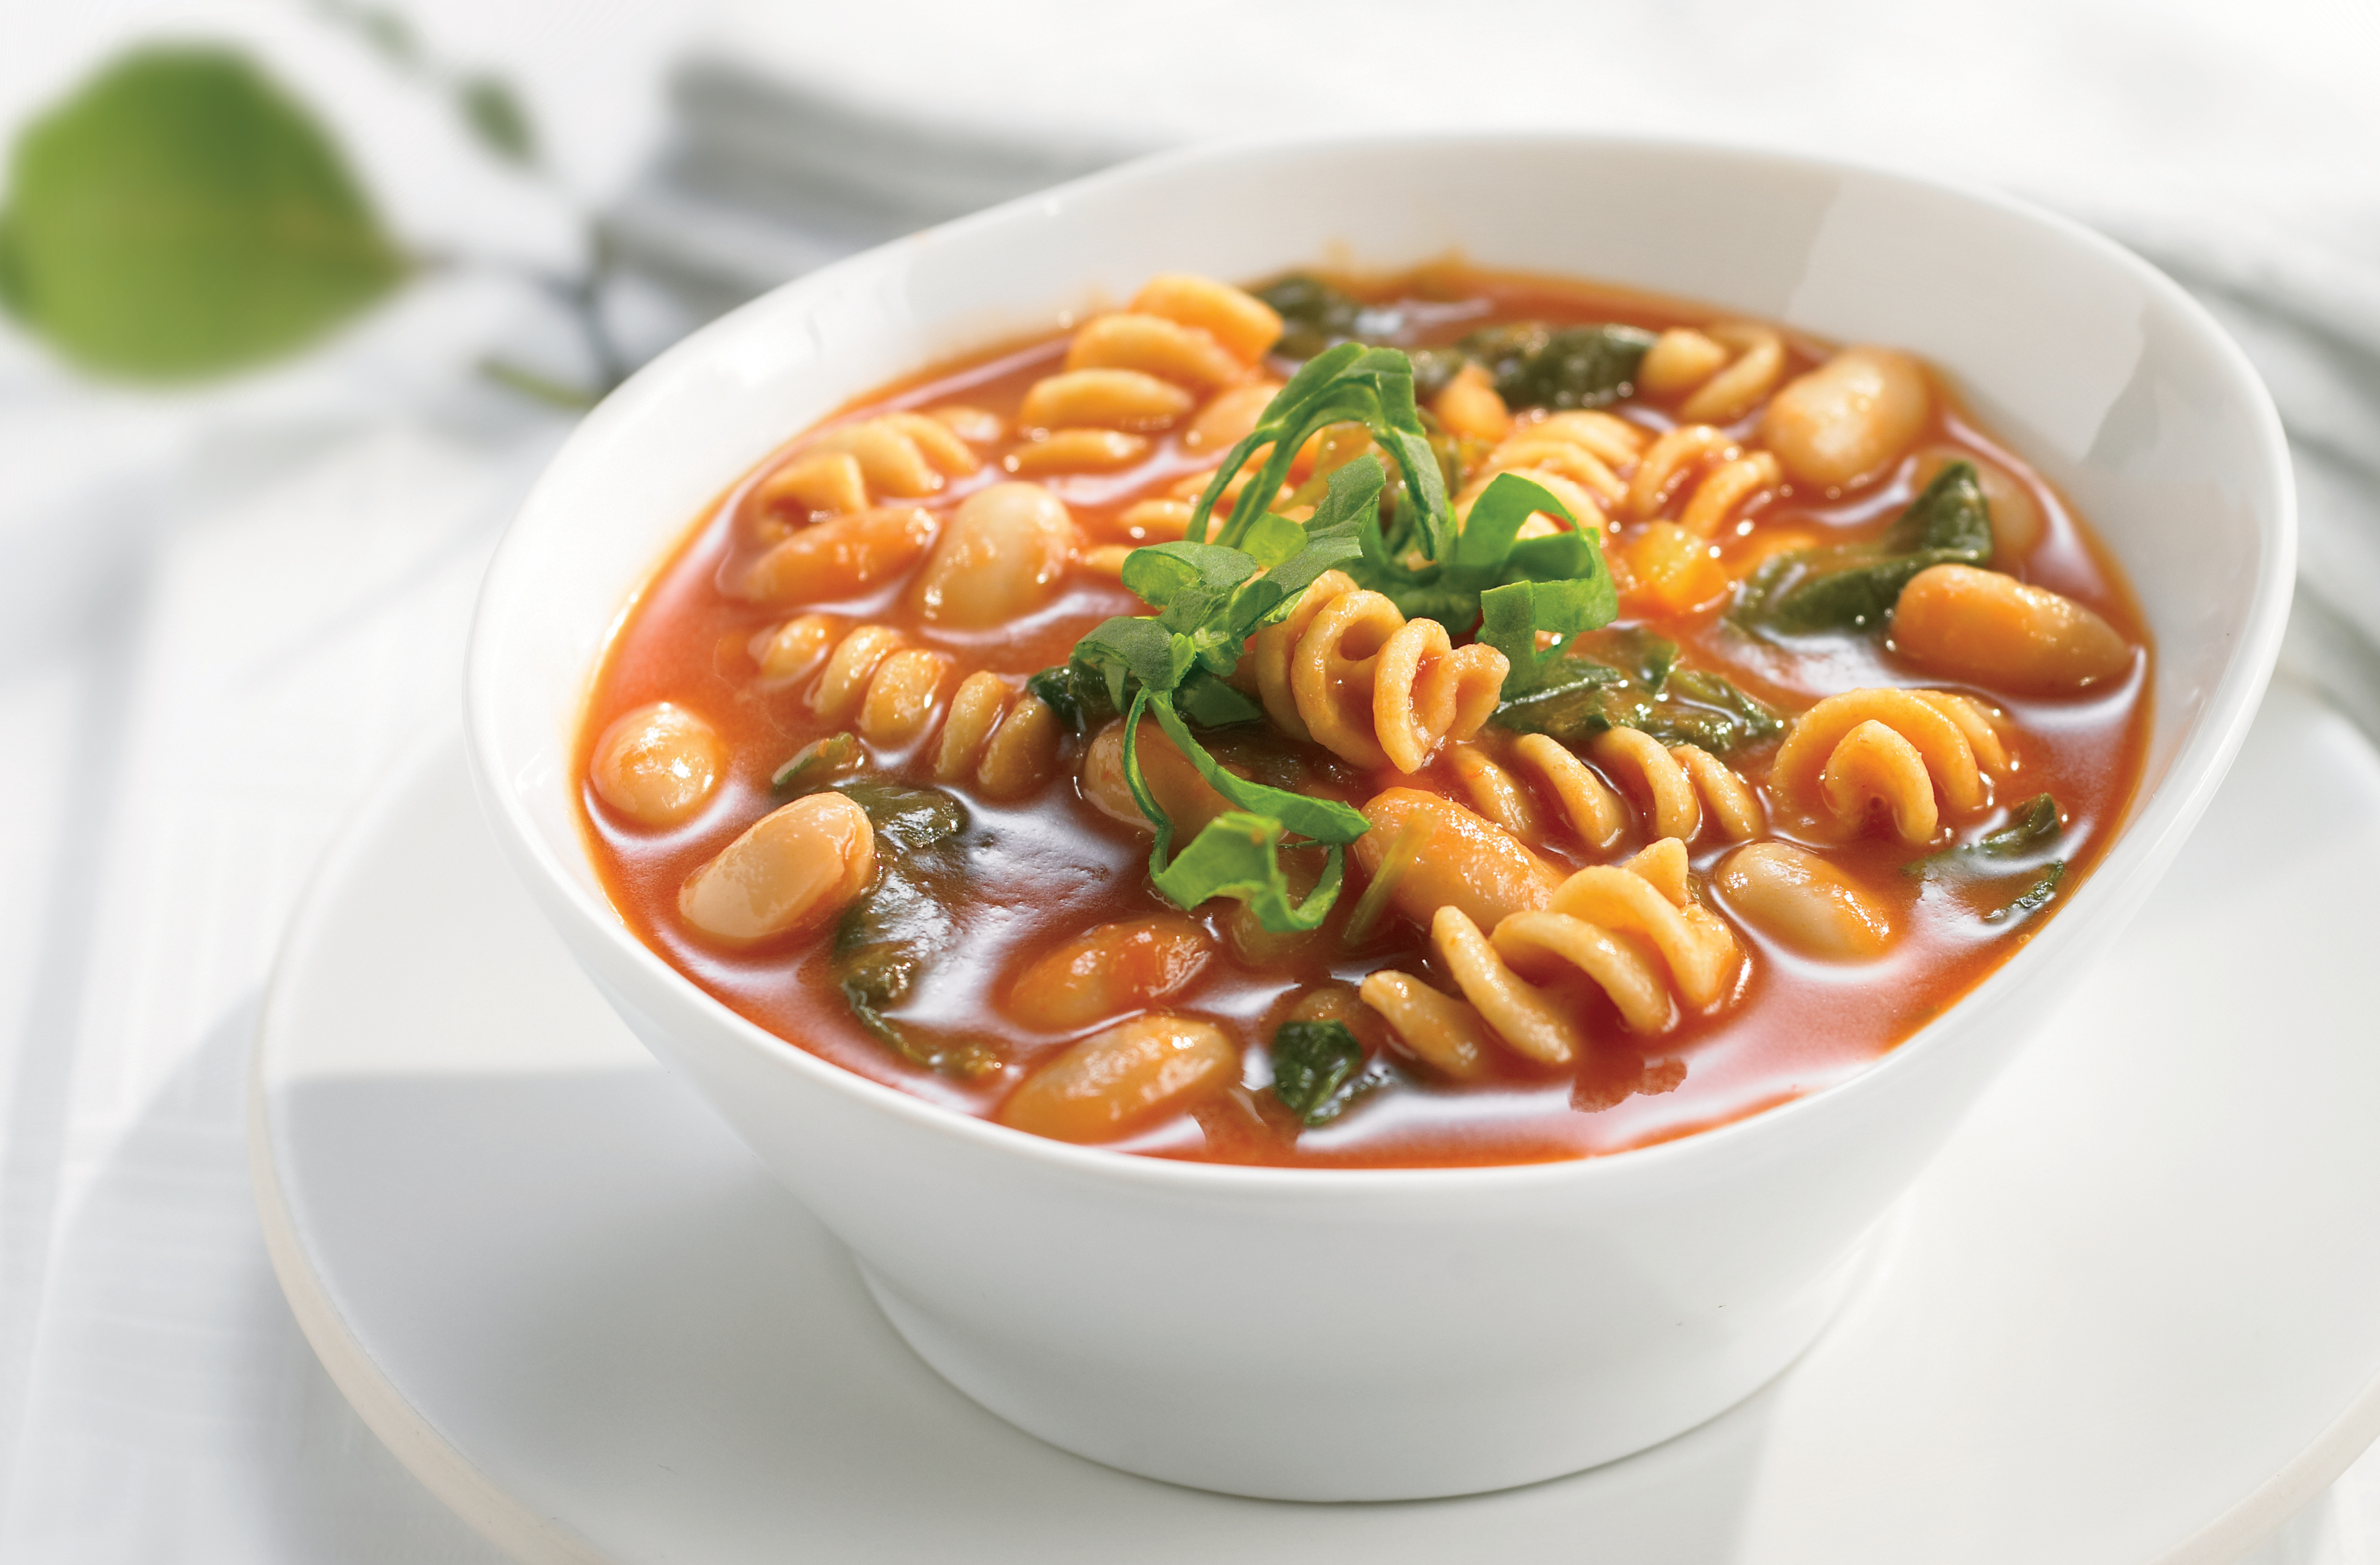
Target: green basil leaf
[
  {"x": 181, "y": 217},
  {"x": 1508, "y": 622},
  {"x": 1272, "y": 538},
  {"x": 496, "y": 118},
  {"x": 1495, "y": 522},
  {"x": 1209, "y": 703},
  {"x": 1325, "y": 820},
  {"x": 1237, "y": 854},
  {"x": 1129, "y": 645},
  {"x": 1353, "y": 498},
  {"x": 1186, "y": 581},
  {"x": 1285, "y": 582},
  {"x": 1311, "y": 1060}
]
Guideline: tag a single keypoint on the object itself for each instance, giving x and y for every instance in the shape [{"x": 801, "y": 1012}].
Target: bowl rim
[{"x": 2154, "y": 825}]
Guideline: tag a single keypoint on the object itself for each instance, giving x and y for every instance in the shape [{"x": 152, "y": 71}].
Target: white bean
[
  {"x": 1849, "y": 417},
  {"x": 792, "y": 869},
  {"x": 658, "y": 764},
  {"x": 1800, "y": 900},
  {"x": 998, "y": 559},
  {"x": 1115, "y": 1081}
]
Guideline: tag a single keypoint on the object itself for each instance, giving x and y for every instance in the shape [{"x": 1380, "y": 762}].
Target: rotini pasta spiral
[
  {"x": 1682, "y": 786},
  {"x": 1722, "y": 370},
  {"x": 893, "y": 455},
  {"x": 1682, "y": 782},
  {"x": 852, "y": 537},
  {"x": 1723, "y": 477},
  {"x": 1575, "y": 454},
  {"x": 1142, "y": 369},
  {"x": 1349, "y": 671},
  {"x": 1005, "y": 743},
  {"x": 838, "y": 556},
  {"x": 1633, "y": 929},
  {"x": 1897, "y": 749}
]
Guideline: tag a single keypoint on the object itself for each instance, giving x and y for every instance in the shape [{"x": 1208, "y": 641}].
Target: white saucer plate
[{"x": 2132, "y": 1314}]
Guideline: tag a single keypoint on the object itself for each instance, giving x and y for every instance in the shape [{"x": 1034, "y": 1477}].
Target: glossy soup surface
[{"x": 1030, "y": 873}]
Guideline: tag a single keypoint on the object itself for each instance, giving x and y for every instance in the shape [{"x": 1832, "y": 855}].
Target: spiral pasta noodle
[
  {"x": 1896, "y": 748},
  {"x": 1349, "y": 671},
  {"x": 1132, "y": 373},
  {"x": 852, "y": 482},
  {"x": 1684, "y": 783},
  {"x": 1004, "y": 742},
  {"x": 1635, "y": 930},
  {"x": 1720, "y": 476},
  {"x": 893, "y": 455},
  {"x": 1575, "y": 454},
  {"x": 1683, "y": 786},
  {"x": 1722, "y": 370}
]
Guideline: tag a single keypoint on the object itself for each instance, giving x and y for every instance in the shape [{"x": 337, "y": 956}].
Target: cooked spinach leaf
[
  {"x": 2033, "y": 898},
  {"x": 1629, "y": 678},
  {"x": 897, "y": 929},
  {"x": 911, "y": 818},
  {"x": 1311, "y": 1061},
  {"x": 2032, "y": 827},
  {"x": 1077, "y": 694},
  {"x": 816, "y": 761},
  {"x": 1535, "y": 365},
  {"x": 1314, "y": 315},
  {"x": 1699, "y": 708},
  {"x": 1854, "y": 586},
  {"x": 2030, "y": 824}
]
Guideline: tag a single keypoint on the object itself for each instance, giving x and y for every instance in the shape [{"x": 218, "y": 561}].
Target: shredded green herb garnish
[
  {"x": 1373, "y": 905},
  {"x": 1213, "y": 594}
]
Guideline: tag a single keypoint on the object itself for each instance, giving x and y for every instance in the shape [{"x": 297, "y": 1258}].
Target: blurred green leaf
[
  {"x": 496, "y": 117},
  {"x": 181, "y": 217},
  {"x": 387, "y": 32}
]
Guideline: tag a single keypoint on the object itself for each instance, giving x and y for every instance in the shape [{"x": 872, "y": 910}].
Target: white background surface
[{"x": 221, "y": 614}]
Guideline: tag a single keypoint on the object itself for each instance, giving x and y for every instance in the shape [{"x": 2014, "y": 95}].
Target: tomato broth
[{"x": 1028, "y": 872}]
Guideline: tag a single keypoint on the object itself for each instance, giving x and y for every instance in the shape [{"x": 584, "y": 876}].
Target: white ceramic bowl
[{"x": 1389, "y": 1334}]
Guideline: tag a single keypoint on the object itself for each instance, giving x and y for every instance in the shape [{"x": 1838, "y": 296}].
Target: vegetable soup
[{"x": 1441, "y": 719}]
